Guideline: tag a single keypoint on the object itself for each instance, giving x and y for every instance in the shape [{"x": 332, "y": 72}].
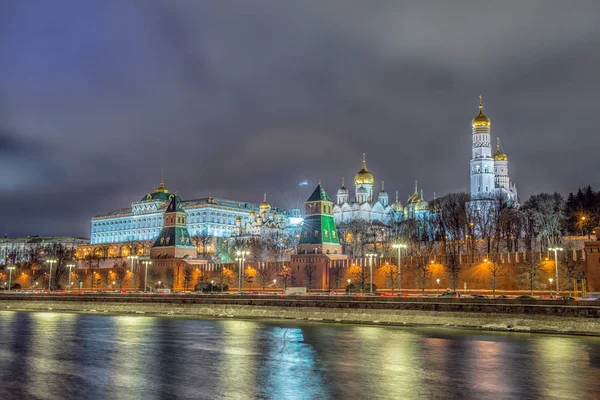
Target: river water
[{"x": 69, "y": 356}]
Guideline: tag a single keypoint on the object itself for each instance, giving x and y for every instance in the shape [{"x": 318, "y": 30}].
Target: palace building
[{"x": 209, "y": 216}]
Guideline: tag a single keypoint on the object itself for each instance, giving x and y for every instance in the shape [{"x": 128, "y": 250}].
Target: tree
[
  {"x": 202, "y": 241},
  {"x": 495, "y": 269},
  {"x": 63, "y": 255},
  {"x": 285, "y": 275},
  {"x": 169, "y": 278},
  {"x": 359, "y": 275},
  {"x": 390, "y": 274},
  {"x": 310, "y": 272},
  {"x": 547, "y": 215},
  {"x": 264, "y": 276},
  {"x": 93, "y": 257},
  {"x": 120, "y": 268},
  {"x": 530, "y": 273},
  {"x": 336, "y": 274},
  {"x": 223, "y": 276},
  {"x": 188, "y": 274}
]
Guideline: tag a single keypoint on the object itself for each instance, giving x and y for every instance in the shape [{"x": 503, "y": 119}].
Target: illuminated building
[
  {"x": 15, "y": 250},
  {"x": 207, "y": 216},
  {"x": 366, "y": 207},
  {"x": 489, "y": 172}
]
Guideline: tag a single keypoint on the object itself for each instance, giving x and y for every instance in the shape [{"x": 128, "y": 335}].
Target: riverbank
[{"x": 535, "y": 317}]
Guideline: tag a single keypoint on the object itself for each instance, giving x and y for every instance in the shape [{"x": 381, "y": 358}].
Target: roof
[
  {"x": 45, "y": 240},
  {"x": 191, "y": 204},
  {"x": 175, "y": 205},
  {"x": 318, "y": 195}
]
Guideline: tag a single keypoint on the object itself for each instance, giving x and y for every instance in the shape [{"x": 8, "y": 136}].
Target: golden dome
[
  {"x": 363, "y": 176},
  {"x": 499, "y": 154},
  {"x": 238, "y": 219},
  {"x": 264, "y": 205},
  {"x": 481, "y": 119},
  {"x": 161, "y": 188}
]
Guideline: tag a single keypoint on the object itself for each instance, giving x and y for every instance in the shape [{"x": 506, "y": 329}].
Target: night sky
[{"x": 237, "y": 98}]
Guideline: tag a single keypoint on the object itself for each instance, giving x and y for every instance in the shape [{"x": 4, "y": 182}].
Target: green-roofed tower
[
  {"x": 319, "y": 234},
  {"x": 174, "y": 240}
]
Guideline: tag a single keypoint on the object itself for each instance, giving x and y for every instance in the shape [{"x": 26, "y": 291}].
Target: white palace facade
[{"x": 208, "y": 216}]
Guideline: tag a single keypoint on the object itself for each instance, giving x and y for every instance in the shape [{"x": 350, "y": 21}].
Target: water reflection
[{"x": 49, "y": 355}]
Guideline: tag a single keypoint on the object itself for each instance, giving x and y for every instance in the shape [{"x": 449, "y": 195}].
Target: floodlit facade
[
  {"x": 489, "y": 172},
  {"x": 209, "y": 216}
]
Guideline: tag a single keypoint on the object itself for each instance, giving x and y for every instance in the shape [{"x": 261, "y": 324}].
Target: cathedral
[
  {"x": 365, "y": 206},
  {"x": 489, "y": 172}
]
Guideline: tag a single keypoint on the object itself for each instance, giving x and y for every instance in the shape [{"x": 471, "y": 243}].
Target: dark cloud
[{"x": 237, "y": 98}]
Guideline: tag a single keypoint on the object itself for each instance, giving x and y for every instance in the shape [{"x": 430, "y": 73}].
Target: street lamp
[
  {"x": 438, "y": 283},
  {"x": 212, "y": 286},
  {"x": 242, "y": 259},
  {"x": 132, "y": 258},
  {"x": 70, "y": 265},
  {"x": 159, "y": 282},
  {"x": 50, "y": 261},
  {"x": 550, "y": 280},
  {"x": 556, "y": 250},
  {"x": 146, "y": 263},
  {"x": 10, "y": 270},
  {"x": 399, "y": 246},
  {"x": 371, "y": 255}
]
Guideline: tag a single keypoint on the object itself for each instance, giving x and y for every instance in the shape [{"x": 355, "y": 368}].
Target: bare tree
[
  {"x": 337, "y": 274},
  {"x": 309, "y": 272},
  {"x": 390, "y": 274},
  {"x": 188, "y": 274},
  {"x": 285, "y": 275},
  {"x": 264, "y": 276},
  {"x": 202, "y": 241},
  {"x": 530, "y": 273},
  {"x": 547, "y": 214},
  {"x": 120, "y": 268}
]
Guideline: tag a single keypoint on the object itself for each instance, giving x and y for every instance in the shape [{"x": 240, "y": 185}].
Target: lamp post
[
  {"x": 274, "y": 285},
  {"x": 212, "y": 286},
  {"x": 146, "y": 263},
  {"x": 550, "y": 280},
  {"x": 70, "y": 265},
  {"x": 556, "y": 250},
  {"x": 371, "y": 255},
  {"x": 159, "y": 282},
  {"x": 438, "y": 288},
  {"x": 399, "y": 247},
  {"x": 242, "y": 259},
  {"x": 10, "y": 270},
  {"x": 132, "y": 258},
  {"x": 50, "y": 261}
]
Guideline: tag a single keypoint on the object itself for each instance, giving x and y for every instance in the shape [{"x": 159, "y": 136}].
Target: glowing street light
[
  {"x": 438, "y": 288},
  {"x": 146, "y": 263},
  {"x": 132, "y": 258},
  {"x": 550, "y": 280},
  {"x": 399, "y": 246},
  {"x": 10, "y": 270},
  {"x": 70, "y": 265},
  {"x": 50, "y": 261},
  {"x": 556, "y": 250},
  {"x": 241, "y": 257},
  {"x": 371, "y": 255}
]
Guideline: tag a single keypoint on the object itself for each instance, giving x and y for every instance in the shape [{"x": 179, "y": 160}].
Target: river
[{"x": 69, "y": 356}]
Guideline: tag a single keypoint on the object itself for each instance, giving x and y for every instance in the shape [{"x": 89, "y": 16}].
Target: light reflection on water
[{"x": 50, "y": 356}]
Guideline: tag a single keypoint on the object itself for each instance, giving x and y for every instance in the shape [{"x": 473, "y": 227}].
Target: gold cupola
[
  {"x": 264, "y": 206},
  {"x": 481, "y": 119},
  {"x": 363, "y": 176},
  {"x": 499, "y": 154}
]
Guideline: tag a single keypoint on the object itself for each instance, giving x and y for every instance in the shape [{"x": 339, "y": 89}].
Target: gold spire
[
  {"x": 363, "y": 176},
  {"x": 382, "y": 187},
  {"x": 396, "y": 196},
  {"x": 499, "y": 154},
  {"x": 161, "y": 188},
  {"x": 264, "y": 205},
  {"x": 481, "y": 119}
]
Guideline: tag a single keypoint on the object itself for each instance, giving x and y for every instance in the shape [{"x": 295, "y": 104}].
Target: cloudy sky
[{"x": 237, "y": 98}]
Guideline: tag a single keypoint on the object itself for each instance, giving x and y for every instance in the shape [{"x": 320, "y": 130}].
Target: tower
[
  {"x": 342, "y": 194},
  {"x": 383, "y": 196},
  {"x": 363, "y": 179},
  {"x": 501, "y": 167},
  {"x": 482, "y": 164},
  {"x": 319, "y": 249},
  {"x": 174, "y": 240},
  {"x": 319, "y": 234}
]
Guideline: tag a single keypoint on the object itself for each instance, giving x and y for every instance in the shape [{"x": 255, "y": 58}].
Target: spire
[
  {"x": 498, "y": 143},
  {"x": 416, "y": 187},
  {"x": 382, "y": 186},
  {"x": 421, "y": 194},
  {"x": 480, "y": 103},
  {"x": 162, "y": 176},
  {"x": 265, "y": 196},
  {"x": 396, "y": 196},
  {"x": 342, "y": 181}
]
